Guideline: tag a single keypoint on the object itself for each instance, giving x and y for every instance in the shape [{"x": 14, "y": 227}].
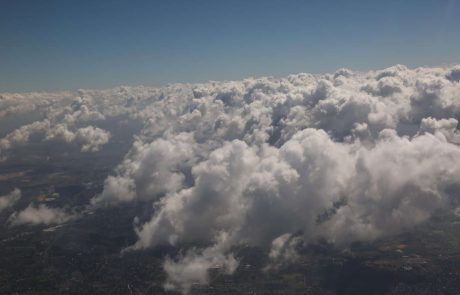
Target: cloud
[
  {"x": 256, "y": 196},
  {"x": 269, "y": 162},
  {"x": 396, "y": 185},
  {"x": 116, "y": 190},
  {"x": 442, "y": 127},
  {"x": 91, "y": 138},
  {"x": 274, "y": 163},
  {"x": 192, "y": 268},
  {"x": 9, "y": 199},
  {"x": 454, "y": 74},
  {"x": 283, "y": 251},
  {"x": 150, "y": 170},
  {"x": 41, "y": 214},
  {"x": 21, "y": 136}
]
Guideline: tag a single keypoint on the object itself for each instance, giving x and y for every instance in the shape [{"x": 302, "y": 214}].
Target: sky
[{"x": 57, "y": 45}]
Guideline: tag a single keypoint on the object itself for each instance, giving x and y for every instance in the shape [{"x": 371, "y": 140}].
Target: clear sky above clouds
[{"x": 52, "y": 45}]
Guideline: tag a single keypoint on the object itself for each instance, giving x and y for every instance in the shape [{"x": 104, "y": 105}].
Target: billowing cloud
[
  {"x": 270, "y": 162},
  {"x": 312, "y": 185},
  {"x": 41, "y": 214},
  {"x": 9, "y": 199},
  {"x": 21, "y": 136},
  {"x": 283, "y": 251},
  {"x": 441, "y": 127},
  {"x": 91, "y": 138},
  {"x": 117, "y": 190},
  {"x": 194, "y": 265},
  {"x": 150, "y": 170}
]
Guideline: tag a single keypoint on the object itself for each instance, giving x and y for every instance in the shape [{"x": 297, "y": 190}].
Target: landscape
[
  {"x": 264, "y": 185},
  {"x": 302, "y": 176}
]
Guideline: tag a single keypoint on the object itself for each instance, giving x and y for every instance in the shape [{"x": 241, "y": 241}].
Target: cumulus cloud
[
  {"x": 283, "y": 251},
  {"x": 454, "y": 74},
  {"x": 21, "y": 136},
  {"x": 396, "y": 185},
  {"x": 91, "y": 138},
  {"x": 117, "y": 190},
  {"x": 441, "y": 127},
  {"x": 9, "y": 199},
  {"x": 192, "y": 268},
  {"x": 151, "y": 169},
  {"x": 269, "y": 162},
  {"x": 61, "y": 117},
  {"x": 257, "y": 196},
  {"x": 41, "y": 214},
  {"x": 274, "y": 162}
]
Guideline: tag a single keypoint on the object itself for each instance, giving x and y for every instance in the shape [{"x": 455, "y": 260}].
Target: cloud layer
[{"x": 270, "y": 162}]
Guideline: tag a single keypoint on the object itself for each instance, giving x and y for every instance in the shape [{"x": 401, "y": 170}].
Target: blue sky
[{"x": 65, "y": 44}]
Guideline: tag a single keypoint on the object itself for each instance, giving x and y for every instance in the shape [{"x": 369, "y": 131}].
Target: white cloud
[
  {"x": 9, "y": 199},
  {"x": 283, "y": 251},
  {"x": 269, "y": 162},
  {"x": 116, "y": 190},
  {"x": 443, "y": 127},
  {"x": 192, "y": 268},
  {"x": 21, "y": 136},
  {"x": 91, "y": 138},
  {"x": 41, "y": 214}
]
